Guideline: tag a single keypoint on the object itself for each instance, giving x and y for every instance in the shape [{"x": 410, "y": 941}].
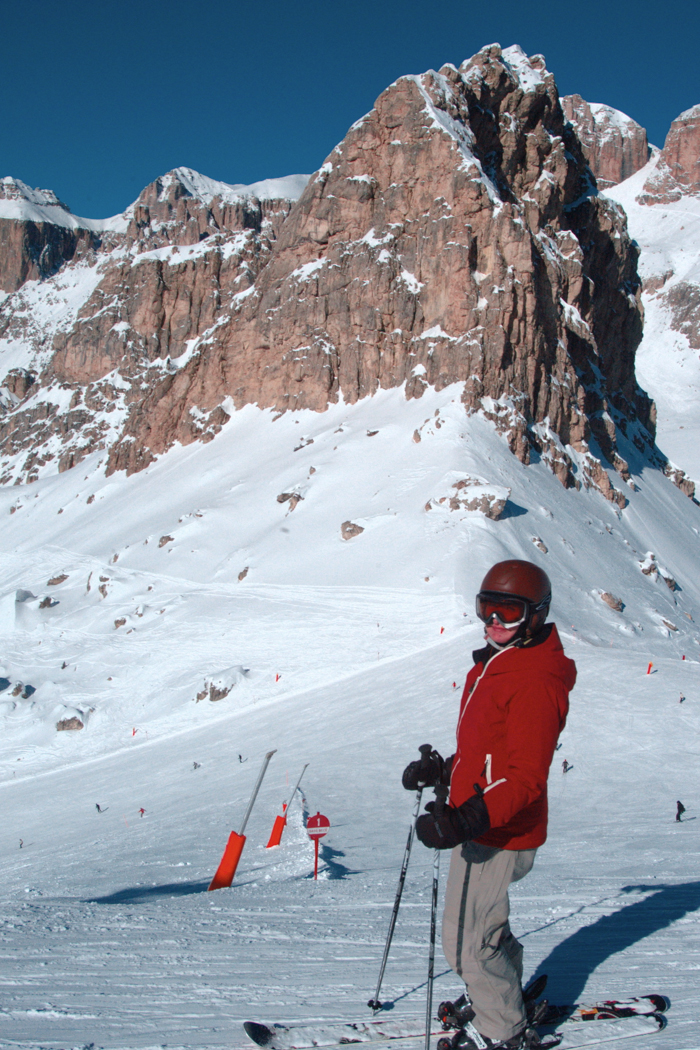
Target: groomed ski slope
[{"x": 342, "y": 654}]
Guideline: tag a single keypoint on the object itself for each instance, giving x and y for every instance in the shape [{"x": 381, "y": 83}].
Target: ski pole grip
[
  {"x": 441, "y": 793},
  {"x": 425, "y": 752}
]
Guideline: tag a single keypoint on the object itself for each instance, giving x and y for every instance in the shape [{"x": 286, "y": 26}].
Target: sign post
[{"x": 316, "y": 828}]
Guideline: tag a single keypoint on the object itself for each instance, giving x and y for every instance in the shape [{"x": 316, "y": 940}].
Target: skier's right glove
[
  {"x": 427, "y": 772},
  {"x": 444, "y": 827}
]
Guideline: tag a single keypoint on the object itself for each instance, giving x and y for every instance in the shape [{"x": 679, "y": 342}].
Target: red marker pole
[
  {"x": 281, "y": 821},
  {"x": 316, "y": 828},
  {"x": 223, "y": 876}
]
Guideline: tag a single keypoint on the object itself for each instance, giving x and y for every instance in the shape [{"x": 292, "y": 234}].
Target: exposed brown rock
[
  {"x": 453, "y": 236},
  {"x": 69, "y": 724},
  {"x": 615, "y": 603},
  {"x": 678, "y": 168},
  {"x": 349, "y": 529},
  {"x": 614, "y": 145},
  {"x": 293, "y": 498},
  {"x": 35, "y": 248},
  {"x": 55, "y": 580}
]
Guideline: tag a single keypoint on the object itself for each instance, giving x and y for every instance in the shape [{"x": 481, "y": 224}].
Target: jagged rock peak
[
  {"x": 614, "y": 145},
  {"x": 186, "y": 182},
  {"x": 677, "y": 171},
  {"x": 681, "y": 152},
  {"x": 453, "y": 236},
  {"x": 21, "y": 203}
]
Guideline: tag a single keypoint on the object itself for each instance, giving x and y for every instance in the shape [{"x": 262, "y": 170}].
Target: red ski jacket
[{"x": 513, "y": 709}]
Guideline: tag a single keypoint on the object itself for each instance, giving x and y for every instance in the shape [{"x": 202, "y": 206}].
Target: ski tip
[
  {"x": 259, "y": 1033},
  {"x": 661, "y": 1020},
  {"x": 661, "y": 1003}
]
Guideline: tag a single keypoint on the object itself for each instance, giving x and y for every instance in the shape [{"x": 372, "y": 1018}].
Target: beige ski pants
[{"x": 476, "y": 936}]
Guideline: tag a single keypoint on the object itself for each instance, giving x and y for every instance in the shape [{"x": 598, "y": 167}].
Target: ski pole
[
  {"x": 440, "y": 797},
  {"x": 374, "y": 1004},
  {"x": 431, "y": 953}
]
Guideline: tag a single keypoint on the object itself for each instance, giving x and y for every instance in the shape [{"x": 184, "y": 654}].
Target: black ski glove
[
  {"x": 444, "y": 827},
  {"x": 427, "y": 772}
]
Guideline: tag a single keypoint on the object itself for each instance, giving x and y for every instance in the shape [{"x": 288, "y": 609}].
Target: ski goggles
[{"x": 509, "y": 610}]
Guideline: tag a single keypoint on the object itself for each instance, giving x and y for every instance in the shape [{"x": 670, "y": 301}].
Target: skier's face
[{"x": 499, "y": 634}]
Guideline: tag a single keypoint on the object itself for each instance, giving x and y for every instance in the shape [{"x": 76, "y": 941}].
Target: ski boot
[
  {"x": 468, "y": 1038},
  {"x": 456, "y": 1014}
]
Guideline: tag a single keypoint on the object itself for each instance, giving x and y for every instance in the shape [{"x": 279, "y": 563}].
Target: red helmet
[{"x": 518, "y": 593}]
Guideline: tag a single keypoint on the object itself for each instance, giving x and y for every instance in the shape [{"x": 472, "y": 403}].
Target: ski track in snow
[{"x": 343, "y": 655}]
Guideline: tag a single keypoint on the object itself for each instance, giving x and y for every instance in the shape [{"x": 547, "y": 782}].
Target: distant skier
[
  {"x": 514, "y": 707},
  {"x": 21, "y": 843},
  {"x": 141, "y": 811},
  {"x": 565, "y": 767},
  {"x": 681, "y": 699},
  {"x": 242, "y": 759},
  {"x": 99, "y": 808},
  {"x": 196, "y": 765},
  {"x": 680, "y": 810}
]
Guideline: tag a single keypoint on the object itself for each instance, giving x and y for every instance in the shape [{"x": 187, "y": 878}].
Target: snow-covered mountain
[{"x": 304, "y": 580}]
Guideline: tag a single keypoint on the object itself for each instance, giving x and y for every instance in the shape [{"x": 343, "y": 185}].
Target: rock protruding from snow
[{"x": 614, "y": 145}]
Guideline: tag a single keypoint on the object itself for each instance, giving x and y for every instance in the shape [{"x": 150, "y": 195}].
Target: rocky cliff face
[
  {"x": 453, "y": 236},
  {"x": 37, "y": 235},
  {"x": 678, "y": 168},
  {"x": 614, "y": 145}
]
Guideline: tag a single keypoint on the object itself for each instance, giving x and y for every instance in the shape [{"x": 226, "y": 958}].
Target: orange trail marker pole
[
  {"x": 281, "y": 821},
  {"x": 649, "y": 668},
  {"x": 236, "y": 840}
]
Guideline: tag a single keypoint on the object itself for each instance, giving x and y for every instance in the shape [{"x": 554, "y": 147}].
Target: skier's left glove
[{"x": 444, "y": 827}]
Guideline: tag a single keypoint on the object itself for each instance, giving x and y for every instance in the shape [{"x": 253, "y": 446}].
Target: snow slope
[
  {"x": 668, "y": 365},
  {"x": 346, "y": 654}
]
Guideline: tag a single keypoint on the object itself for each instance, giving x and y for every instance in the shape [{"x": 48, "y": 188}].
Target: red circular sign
[{"x": 317, "y": 827}]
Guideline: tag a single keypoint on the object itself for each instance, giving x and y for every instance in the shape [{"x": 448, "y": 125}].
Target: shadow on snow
[
  {"x": 139, "y": 894},
  {"x": 572, "y": 962}
]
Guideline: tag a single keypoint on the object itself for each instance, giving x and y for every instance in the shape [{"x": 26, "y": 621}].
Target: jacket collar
[{"x": 482, "y": 656}]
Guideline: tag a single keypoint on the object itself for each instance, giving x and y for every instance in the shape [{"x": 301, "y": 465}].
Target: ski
[
  {"x": 301, "y": 1037},
  {"x": 606, "y": 1010},
  {"x": 573, "y": 1033},
  {"x": 578, "y": 1036}
]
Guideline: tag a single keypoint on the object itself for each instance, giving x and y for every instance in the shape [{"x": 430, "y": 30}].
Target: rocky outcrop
[
  {"x": 614, "y": 145},
  {"x": 37, "y": 235},
  {"x": 678, "y": 168},
  {"x": 455, "y": 235},
  {"x": 166, "y": 273}
]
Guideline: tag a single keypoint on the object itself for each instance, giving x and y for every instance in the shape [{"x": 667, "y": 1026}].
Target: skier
[
  {"x": 98, "y": 808},
  {"x": 565, "y": 767},
  {"x": 141, "y": 811},
  {"x": 513, "y": 709},
  {"x": 680, "y": 810}
]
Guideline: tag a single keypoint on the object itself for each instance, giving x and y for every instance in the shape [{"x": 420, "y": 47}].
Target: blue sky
[{"x": 101, "y": 97}]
